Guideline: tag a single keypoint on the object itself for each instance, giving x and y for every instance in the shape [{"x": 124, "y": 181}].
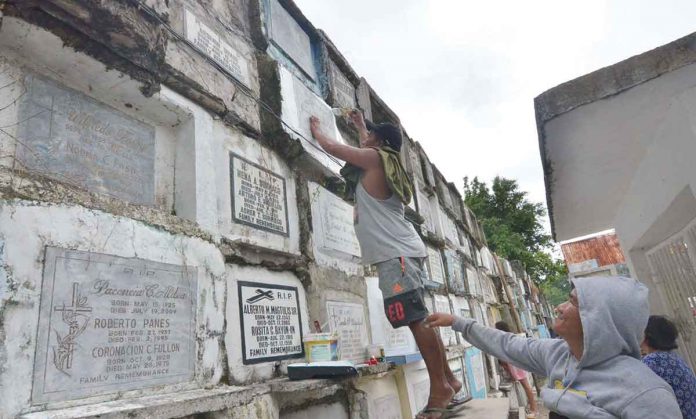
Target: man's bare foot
[{"x": 440, "y": 401}]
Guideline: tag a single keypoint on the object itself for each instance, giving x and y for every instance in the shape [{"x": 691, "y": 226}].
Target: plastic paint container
[{"x": 320, "y": 347}]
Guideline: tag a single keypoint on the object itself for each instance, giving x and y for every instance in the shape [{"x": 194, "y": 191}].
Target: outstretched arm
[
  {"x": 364, "y": 158},
  {"x": 528, "y": 354}
]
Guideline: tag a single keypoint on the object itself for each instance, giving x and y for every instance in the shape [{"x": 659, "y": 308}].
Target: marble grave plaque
[
  {"x": 447, "y": 334},
  {"x": 437, "y": 272},
  {"x": 479, "y": 371},
  {"x": 271, "y": 322},
  {"x": 472, "y": 281},
  {"x": 348, "y": 320},
  {"x": 455, "y": 272},
  {"x": 411, "y": 161},
  {"x": 457, "y": 367},
  {"x": 425, "y": 210},
  {"x": 259, "y": 196},
  {"x": 72, "y": 138},
  {"x": 299, "y": 104},
  {"x": 335, "y": 232},
  {"x": 343, "y": 89},
  {"x": 110, "y": 324},
  {"x": 287, "y": 34},
  {"x": 215, "y": 47}
]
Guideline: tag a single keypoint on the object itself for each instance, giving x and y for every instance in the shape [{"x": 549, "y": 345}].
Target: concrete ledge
[
  {"x": 282, "y": 392},
  {"x": 616, "y": 78},
  {"x": 484, "y": 409},
  {"x": 161, "y": 406}
]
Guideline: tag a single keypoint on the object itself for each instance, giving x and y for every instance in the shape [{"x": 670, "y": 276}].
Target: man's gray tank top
[{"x": 382, "y": 230}]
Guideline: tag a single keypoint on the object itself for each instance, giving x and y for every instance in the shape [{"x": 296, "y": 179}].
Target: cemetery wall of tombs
[{"x": 169, "y": 230}]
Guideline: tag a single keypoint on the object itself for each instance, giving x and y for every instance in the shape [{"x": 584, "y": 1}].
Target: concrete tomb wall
[{"x": 166, "y": 243}]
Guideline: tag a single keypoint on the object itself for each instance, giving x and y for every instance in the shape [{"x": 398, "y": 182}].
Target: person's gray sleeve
[
  {"x": 658, "y": 403},
  {"x": 529, "y": 354}
]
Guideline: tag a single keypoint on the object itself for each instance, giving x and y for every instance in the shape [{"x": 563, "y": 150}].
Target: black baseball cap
[{"x": 389, "y": 133}]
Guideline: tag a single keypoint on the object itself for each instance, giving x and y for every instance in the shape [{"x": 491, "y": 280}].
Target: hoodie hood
[{"x": 614, "y": 313}]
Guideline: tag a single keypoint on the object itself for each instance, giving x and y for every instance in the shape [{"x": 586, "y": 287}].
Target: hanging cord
[{"x": 242, "y": 88}]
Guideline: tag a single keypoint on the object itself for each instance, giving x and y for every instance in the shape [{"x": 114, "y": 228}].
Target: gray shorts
[{"x": 401, "y": 281}]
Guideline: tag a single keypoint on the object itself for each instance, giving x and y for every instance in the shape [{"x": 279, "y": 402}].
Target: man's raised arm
[{"x": 364, "y": 158}]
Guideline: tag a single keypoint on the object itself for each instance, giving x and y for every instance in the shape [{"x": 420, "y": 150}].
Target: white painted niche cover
[
  {"x": 299, "y": 104},
  {"x": 332, "y": 225}
]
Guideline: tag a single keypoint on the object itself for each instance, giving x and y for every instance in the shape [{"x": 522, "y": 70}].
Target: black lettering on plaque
[{"x": 259, "y": 197}]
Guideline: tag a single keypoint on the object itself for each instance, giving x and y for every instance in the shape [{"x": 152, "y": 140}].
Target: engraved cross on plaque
[{"x": 66, "y": 346}]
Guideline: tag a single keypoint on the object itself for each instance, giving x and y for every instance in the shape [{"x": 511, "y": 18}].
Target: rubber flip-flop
[
  {"x": 458, "y": 401},
  {"x": 443, "y": 413}
]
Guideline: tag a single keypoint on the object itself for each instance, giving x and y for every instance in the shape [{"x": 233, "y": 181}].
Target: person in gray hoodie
[{"x": 595, "y": 371}]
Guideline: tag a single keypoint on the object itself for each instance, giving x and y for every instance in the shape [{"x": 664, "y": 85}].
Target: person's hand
[
  {"x": 315, "y": 126},
  {"x": 439, "y": 320},
  {"x": 357, "y": 117}
]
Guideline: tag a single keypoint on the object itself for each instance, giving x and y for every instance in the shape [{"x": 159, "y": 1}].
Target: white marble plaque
[
  {"x": 203, "y": 37},
  {"x": 461, "y": 308},
  {"x": 259, "y": 197},
  {"x": 455, "y": 272},
  {"x": 397, "y": 338},
  {"x": 464, "y": 244},
  {"x": 343, "y": 89},
  {"x": 386, "y": 407},
  {"x": 348, "y": 320},
  {"x": 449, "y": 229},
  {"x": 444, "y": 192},
  {"x": 299, "y": 104},
  {"x": 414, "y": 162},
  {"x": 271, "y": 322},
  {"x": 334, "y": 231},
  {"x": 442, "y": 305},
  {"x": 437, "y": 272},
  {"x": 110, "y": 324},
  {"x": 457, "y": 367},
  {"x": 70, "y": 137},
  {"x": 479, "y": 372},
  {"x": 289, "y": 36},
  {"x": 424, "y": 209},
  {"x": 472, "y": 281},
  {"x": 469, "y": 219},
  {"x": 308, "y": 105}
]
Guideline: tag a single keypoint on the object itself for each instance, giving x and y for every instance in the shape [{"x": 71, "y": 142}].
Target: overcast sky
[{"x": 462, "y": 75}]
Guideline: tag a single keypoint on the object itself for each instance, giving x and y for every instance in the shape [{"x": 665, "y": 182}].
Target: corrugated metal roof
[{"x": 604, "y": 249}]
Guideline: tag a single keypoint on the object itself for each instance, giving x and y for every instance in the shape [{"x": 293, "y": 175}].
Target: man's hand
[
  {"x": 315, "y": 127},
  {"x": 357, "y": 117},
  {"x": 439, "y": 320}
]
